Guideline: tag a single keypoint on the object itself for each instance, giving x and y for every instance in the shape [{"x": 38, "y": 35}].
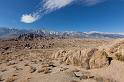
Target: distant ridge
[{"x": 21, "y": 33}]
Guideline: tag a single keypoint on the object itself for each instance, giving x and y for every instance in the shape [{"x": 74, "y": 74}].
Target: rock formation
[{"x": 86, "y": 58}]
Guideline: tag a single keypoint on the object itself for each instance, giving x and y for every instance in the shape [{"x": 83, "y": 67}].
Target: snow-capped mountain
[
  {"x": 11, "y": 33},
  {"x": 95, "y": 34}
]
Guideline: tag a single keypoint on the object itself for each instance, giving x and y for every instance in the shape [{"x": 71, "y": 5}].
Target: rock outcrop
[
  {"x": 92, "y": 57},
  {"x": 86, "y": 58},
  {"x": 116, "y": 50}
]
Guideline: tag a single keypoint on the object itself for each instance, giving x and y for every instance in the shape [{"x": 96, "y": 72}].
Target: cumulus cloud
[
  {"x": 48, "y": 6},
  {"x": 29, "y": 18}
]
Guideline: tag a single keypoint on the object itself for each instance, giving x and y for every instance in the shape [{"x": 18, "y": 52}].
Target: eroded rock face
[
  {"x": 86, "y": 58},
  {"x": 98, "y": 59}
]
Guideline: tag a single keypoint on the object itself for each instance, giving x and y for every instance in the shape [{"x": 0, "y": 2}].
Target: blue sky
[{"x": 63, "y": 15}]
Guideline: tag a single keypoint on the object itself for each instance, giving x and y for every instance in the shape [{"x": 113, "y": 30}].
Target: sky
[{"x": 63, "y": 15}]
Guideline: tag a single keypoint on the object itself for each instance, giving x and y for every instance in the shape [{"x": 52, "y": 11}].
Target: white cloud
[
  {"x": 28, "y": 18},
  {"x": 55, "y": 4},
  {"x": 48, "y": 6}
]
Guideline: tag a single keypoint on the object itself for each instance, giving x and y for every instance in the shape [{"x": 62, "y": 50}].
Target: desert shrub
[
  {"x": 10, "y": 79},
  {"x": 32, "y": 69},
  {"x": 119, "y": 56},
  {"x": 73, "y": 81},
  {"x": 101, "y": 79},
  {"x": 1, "y": 79}
]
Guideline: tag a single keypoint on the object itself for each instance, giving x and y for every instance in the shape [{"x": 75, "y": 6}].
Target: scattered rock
[
  {"x": 83, "y": 77},
  {"x": 32, "y": 69},
  {"x": 44, "y": 70},
  {"x": 26, "y": 64},
  {"x": 78, "y": 74},
  {"x": 3, "y": 70},
  {"x": 63, "y": 68},
  {"x": 6, "y": 48},
  {"x": 11, "y": 63},
  {"x": 51, "y": 64},
  {"x": 18, "y": 68},
  {"x": 20, "y": 59}
]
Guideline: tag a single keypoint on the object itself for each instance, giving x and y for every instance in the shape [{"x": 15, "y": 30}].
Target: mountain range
[{"x": 14, "y": 33}]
